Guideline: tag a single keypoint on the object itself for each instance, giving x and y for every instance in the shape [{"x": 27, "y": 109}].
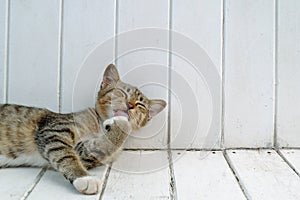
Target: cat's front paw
[
  {"x": 87, "y": 184},
  {"x": 118, "y": 122}
]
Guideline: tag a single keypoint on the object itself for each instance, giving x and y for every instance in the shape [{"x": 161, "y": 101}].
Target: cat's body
[
  {"x": 31, "y": 123},
  {"x": 73, "y": 143}
]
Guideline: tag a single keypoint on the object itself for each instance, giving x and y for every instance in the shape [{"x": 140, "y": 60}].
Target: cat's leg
[
  {"x": 117, "y": 130},
  {"x": 97, "y": 151},
  {"x": 91, "y": 154},
  {"x": 57, "y": 148}
]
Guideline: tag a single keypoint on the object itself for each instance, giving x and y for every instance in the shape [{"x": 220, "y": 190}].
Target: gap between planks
[
  {"x": 36, "y": 181},
  {"x": 172, "y": 183},
  {"x": 288, "y": 162},
  {"x": 6, "y": 54},
  {"x": 60, "y": 56},
  {"x": 173, "y": 192},
  {"x": 198, "y": 149},
  {"x": 276, "y": 80},
  {"x": 222, "y": 143},
  {"x": 235, "y": 174},
  {"x": 105, "y": 181}
]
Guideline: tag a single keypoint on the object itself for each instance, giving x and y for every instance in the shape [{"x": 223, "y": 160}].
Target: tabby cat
[{"x": 73, "y": 143}]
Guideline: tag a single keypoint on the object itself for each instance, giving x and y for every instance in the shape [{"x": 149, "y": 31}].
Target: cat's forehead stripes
[
  {"x": 130, "y": 90},
  {"x": 123, "y": 92},
  {"x": 137, "y": 92}
]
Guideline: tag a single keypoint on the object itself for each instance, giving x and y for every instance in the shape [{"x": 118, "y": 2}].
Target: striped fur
[{"x": 73, "y": 143}]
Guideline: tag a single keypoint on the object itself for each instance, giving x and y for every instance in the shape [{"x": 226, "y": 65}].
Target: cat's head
[{"x": 117, "y": 98}]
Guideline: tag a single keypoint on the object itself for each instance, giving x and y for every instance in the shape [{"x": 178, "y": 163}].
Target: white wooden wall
[
  {"x": 254, "y": 46},
  {"x": 288, "y": 62},
  {"x": 249, "y": 67}
]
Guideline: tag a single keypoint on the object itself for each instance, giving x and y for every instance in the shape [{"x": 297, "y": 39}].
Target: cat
[{"x": 73, "y": 143}]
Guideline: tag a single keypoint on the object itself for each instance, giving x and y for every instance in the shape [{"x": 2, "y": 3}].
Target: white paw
[
  {"x": 109, "y": 122},
  {"x": 87, "y": 184},
  {"x": 120, "y": 118}
]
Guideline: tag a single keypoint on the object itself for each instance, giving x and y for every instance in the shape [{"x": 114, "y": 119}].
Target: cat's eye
[
  {"x": 120, "y": 93},
  {"x": 141, "y": 105}
]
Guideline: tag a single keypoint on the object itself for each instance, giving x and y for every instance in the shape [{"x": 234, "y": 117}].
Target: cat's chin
[{"x": 123, "y": 113}]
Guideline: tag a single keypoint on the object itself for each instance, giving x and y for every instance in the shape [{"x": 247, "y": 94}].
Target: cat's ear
[
  {"x": 156, "y": 106},
  {"x": 110, "y": 77}
]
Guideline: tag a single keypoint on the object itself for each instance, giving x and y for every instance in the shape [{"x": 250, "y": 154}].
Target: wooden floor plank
[
  {"x": 54, "y": 186},
  {"x": 293, "y": 156},
  {"x": 265, "y": 175},
  {"x": 204, "y": 175},
  {"x": 134, "y": 176},
  {"x": 15, "y": 182},
  {"x": 145, "y": 175}
]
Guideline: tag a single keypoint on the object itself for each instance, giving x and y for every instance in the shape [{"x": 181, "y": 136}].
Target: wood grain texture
[
  {"x": 249, "y": 73},
  {"x": 194, "y": 180},
  {"x": 33, "y": 53},
  {"x": 265, "y": 175},
  {"x": 288, "y": 126},
  {"x": 86, "y": 26}
]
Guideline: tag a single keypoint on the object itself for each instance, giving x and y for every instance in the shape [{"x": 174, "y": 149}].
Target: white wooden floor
[{"x": 232, "y": 174}]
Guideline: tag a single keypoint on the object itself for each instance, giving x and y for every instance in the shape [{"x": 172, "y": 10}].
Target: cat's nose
[{"x": 129, "y": 105}]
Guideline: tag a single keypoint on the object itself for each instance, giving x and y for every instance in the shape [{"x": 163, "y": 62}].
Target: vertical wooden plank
[
  {"x": 132, "y": 177},
  {"x": 33, "y": 53},
  {"x": 288, "y": 126},
  {"x": 134, "y": 14},
  {"x": 190, "y": 92},
  {"x": 249, "y": 73},
  {"x": 3, "y": 50},
  {"x": 142, "y": 66},
  {"x": 57, "y": 187},
  {"x": 194, "y": 180},
  {"x": 191, "y": 22},
  {"x": 265, "y": 175},
  {"x": 86, "y": 25},
  {"x": 15, "y": 182}
]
